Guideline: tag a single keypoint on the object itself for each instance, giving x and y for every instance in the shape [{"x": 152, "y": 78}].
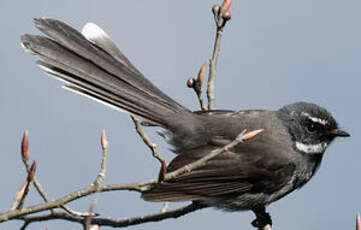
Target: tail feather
[
  {"x": 94, "y": 92},
  {"x": 97, "y": 68},
  {"x": 74, "y": 70},
  {"x": 98, "y": 37},
  {"x": 76, "y": 42}
]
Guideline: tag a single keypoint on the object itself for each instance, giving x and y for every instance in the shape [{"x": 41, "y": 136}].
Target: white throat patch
[
  {"x": 311, "y": 149},
  {"x": 314, "y": 119}
]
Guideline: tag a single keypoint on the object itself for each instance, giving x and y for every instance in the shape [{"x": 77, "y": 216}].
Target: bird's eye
[{"x": 311, "y": 127}]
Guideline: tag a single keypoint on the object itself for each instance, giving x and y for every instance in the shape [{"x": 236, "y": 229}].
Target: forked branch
[{"x": 139, "y": 187}]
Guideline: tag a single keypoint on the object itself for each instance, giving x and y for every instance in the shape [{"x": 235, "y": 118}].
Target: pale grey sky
[{"x": 285, "y": 51}]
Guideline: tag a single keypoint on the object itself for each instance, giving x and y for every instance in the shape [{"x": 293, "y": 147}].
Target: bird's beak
[{"x": 339, "y": 133}]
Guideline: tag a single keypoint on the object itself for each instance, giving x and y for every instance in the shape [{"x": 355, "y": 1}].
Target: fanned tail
[{"x": 90, "y": 64}]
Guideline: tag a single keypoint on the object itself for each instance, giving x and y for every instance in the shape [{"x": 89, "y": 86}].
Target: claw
[{"x": 263, "y": 218}]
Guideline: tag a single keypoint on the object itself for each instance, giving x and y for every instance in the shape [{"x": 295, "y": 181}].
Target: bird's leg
[{"x": 262, "y": 218}]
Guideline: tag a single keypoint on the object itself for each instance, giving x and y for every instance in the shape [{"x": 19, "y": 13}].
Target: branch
[
  {"x": 221, "y": 16},
  {"x": 146, "y": 140},
  {"x": 196, "y": 85},
  {"x": 152, "y": 147},
  {"x": 104, "y": 143},
  {"x": 24, "y": 190},
  {"x": 99, "y": 179},
  {"x": 25, "y": 158},
  {"x": 39, "y": 188},
  {"x": 139, "y": 187},
  {"x": 73, "y": 196},
  {"x": 117, "y": 222},
  {"x": 242, "y": 137}
]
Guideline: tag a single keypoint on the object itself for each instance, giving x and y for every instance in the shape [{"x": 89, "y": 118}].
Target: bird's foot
[{"x": 262, "y": 219}]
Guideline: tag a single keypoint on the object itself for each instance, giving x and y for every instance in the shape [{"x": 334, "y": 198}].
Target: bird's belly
[
  {"x": 248, "y": 201},
  {"x": 242, "y": 202}
]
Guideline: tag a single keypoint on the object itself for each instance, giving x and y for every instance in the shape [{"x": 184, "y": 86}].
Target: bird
[{"x": 249, "y": 176}]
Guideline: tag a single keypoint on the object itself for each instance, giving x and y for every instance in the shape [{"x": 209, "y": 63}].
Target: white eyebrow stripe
[
  {"x": 311, "y": 149},
  {"x": 314, "y": 119}
]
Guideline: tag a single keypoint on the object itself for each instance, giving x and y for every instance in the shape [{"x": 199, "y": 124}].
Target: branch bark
[
  {"x": 221, "y": 16},
  {"x": 139, "y": 187},
  {"x": 116, "y": 222}
]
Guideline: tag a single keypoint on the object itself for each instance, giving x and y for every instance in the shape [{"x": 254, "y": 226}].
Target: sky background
[{"x": 273, "y": 53}]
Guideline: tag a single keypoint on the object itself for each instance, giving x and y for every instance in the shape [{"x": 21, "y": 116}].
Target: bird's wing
[{"x": 229, "y": 173}]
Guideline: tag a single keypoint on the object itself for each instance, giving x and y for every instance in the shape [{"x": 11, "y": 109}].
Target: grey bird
[{"x": 250, "y": 176}]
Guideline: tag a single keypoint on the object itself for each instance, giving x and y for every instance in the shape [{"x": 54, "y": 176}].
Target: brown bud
[
  {"x": 25, "y": 145},
  {"x": 190, "y": 82},
  {"x": 252, "y": 134},
  {"x": 163, "y": 170},
  {"x": 215, "y": 9},
  {"x": 226, "y": 4},
  {"x": 104, "y": 141},
  {"x": 202, "y": 73},
  {"x": 32, "y": 171},
  {"x": 226, "y": 16},
  {"x": 358, "y": 222}
]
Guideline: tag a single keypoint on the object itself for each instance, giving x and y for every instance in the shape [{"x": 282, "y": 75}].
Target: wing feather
[{"x": 229, "y": 174}]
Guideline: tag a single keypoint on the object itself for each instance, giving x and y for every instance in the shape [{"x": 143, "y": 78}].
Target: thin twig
[
  {"x": 117, "y": 222},
  {"x": 147, "y": 141},
  {"x": 221, "y": 16},
  {"x": 24, "y": 190},
  {"x": 212, "y": 70},
  {"x": 36, "y": 183},
  {"x": 25, "y": 158},
  {"x": 19, "y": 195},
  {"x": 76, "y": 213},
  {"x": 243, "y": 136},
  {"x": 99, "y": 179},
  {"x": 139, "y": 187},
  {"x": 196, "y": 85}
]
